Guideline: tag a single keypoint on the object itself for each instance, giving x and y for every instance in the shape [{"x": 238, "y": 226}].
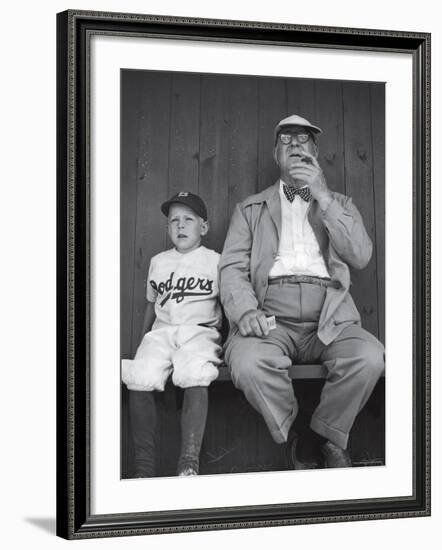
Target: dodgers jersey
[{"x": 185, "y": 288}]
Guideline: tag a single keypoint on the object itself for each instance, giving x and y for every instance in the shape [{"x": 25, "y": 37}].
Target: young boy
[{"x": 180, "y": 335}]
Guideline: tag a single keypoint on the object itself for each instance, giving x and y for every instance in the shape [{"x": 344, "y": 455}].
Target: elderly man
[{"x": 287, "y": 255}]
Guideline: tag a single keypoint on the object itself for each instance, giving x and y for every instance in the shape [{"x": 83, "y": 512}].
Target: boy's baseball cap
[
  {"x": 296, "y": 120},
  {"x": 194, "y": 202}
]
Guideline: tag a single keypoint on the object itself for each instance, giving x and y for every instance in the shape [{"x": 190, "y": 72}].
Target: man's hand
[
  {"x": 310, "y": 173},
  {"x": 253, "y": 323}
]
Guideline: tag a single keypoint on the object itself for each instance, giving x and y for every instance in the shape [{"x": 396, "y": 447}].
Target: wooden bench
[{"x": 296, "y": 372}]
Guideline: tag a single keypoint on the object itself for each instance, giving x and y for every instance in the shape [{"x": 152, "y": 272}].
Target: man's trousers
[{"x": 259, "y": 366}]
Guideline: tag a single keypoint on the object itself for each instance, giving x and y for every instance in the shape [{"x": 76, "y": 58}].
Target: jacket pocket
[{"x": 347, "y": 313}]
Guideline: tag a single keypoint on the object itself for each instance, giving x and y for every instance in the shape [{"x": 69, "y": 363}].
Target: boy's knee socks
[
  {"x": 143, "y": 418},
  {"x": 193, "y": 423}
]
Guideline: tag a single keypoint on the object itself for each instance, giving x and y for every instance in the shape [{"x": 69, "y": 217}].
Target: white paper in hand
[{"x": 271, "y": 322}]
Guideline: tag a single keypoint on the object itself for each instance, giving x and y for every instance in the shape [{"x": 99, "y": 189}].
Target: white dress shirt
[{"x": 299, "y": 252}]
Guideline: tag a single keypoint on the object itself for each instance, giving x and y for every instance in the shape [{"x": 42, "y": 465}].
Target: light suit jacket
[{"x": 252, "y": 244}]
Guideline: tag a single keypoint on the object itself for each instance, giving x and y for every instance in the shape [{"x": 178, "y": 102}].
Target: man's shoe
[
  {"x": 334, "y": 457},
  {"x": 290, "y": 452}
]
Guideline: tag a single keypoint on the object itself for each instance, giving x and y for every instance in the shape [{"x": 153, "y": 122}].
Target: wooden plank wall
[{"x": 213, "y": 135}]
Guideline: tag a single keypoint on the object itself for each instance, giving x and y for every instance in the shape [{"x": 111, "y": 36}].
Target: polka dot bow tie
[{"x": 291, "y": 192}]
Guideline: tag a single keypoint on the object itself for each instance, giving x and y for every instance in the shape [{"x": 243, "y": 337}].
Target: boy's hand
[{"x": 254, "y": 323}]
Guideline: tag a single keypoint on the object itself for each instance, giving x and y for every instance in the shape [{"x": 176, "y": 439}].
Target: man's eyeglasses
[{"x": 287, "y": 138}]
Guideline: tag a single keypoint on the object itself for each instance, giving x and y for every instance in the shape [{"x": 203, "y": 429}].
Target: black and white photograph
[
  {"x": 221, "y": 266},
  {"x": 243, "y": 273},
  {"x": 252, "y": 242}
]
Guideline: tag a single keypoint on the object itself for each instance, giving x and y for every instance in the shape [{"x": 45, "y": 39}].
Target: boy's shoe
[
  {"x": 188, "y": 472},
  {"x": 141, "y": 474},
  {"x": 188, "y": 467},
  {"x": 144, "y": 469}
]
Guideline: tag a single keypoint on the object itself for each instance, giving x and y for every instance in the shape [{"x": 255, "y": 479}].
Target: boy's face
[{"x": 185, "y": 228}]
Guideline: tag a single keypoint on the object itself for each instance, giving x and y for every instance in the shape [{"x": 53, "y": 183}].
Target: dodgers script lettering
[{"x": 183, "y": 287}]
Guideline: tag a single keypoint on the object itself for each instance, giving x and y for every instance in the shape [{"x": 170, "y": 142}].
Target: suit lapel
[
  {"x": 274, "y": 205},
  {"x": 314, "y": 218}
]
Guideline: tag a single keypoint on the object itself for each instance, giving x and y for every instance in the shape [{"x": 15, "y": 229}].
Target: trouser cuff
[
  {"x": 280, "y": 434},
  {"x": 334, "y": 435}
]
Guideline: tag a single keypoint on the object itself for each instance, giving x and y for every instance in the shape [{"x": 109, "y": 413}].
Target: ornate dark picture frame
[{"x": 74, "y": 32}]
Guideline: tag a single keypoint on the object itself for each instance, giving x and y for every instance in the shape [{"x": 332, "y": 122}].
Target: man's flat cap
[{"x": 295, "y": 120}]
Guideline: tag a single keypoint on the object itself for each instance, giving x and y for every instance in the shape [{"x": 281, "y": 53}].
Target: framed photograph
[{"x": 166, "y": 122}]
